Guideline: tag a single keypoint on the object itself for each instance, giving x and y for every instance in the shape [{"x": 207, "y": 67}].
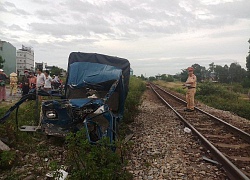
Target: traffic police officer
[{"x": 191, "y": 85}]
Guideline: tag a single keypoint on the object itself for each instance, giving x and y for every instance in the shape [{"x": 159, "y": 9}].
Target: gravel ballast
[{"x": 162, "y": 150}]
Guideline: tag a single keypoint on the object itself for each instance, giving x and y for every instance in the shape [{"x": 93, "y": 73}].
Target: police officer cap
[{"x": 190, "y": 68}]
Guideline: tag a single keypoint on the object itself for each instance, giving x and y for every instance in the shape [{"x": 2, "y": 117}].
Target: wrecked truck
[{"x": 95, "y": 92}]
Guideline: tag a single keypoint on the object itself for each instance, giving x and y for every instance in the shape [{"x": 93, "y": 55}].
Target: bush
[
  {"x": 7, "y": 159},
  {"x": 211, "y": 89},
  {"x": 93, "y": 162},
  {"x": 169, "y": 79},
  {"x": 246, "y": 83},
  {"x": 180, "y": 90},
  {"x": 237, "y": 88},
  {"x": 133, "y": 101},
  {"x": 224, "y": 98}
]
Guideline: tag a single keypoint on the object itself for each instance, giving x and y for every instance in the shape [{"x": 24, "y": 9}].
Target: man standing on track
[{"x": 191, "y": 85}]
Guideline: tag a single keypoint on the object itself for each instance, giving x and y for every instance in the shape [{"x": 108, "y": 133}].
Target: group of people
[{"x": 42, "y": 80}]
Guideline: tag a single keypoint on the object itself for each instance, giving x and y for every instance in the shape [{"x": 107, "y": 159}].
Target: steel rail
[
  {"x": 231, "y": 170},
  {"x": 244, "y": 135}
]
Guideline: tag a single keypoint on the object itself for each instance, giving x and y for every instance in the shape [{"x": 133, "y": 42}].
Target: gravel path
[{"x": 162, "y": 150}]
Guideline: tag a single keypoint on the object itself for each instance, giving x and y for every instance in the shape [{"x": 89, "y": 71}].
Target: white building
[{"x": 25, "y": 60}]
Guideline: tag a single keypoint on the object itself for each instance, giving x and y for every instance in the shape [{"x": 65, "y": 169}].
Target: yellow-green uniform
[
  {"x": 191, "y": 85},
  {"x": 13, "y": 83}
]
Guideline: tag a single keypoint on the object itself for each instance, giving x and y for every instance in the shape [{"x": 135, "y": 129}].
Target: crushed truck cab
[{"x": 95, "y": 92}]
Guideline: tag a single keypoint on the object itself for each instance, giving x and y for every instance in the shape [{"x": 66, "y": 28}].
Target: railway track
[{"x": 229, "y": 145}]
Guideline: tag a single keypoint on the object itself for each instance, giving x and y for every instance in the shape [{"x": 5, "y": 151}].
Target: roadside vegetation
[
  {"x": 225, "y": 97},
  {"x": 40, "y": 155},
  {"x": 136, "y": 88}
]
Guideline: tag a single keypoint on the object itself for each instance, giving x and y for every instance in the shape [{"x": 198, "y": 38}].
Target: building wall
[
  {"x": 25, "y": 60},
  {"x": 41, "y": 65},
  {"x": 8, "y": 53}
]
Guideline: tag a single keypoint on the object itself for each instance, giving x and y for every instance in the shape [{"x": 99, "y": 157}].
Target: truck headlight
[
  {"x": 87, "y": 110},
  {"x": 51, "y": 114}
]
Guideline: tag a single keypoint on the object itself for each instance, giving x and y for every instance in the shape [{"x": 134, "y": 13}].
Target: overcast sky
[{"x": 156, "y": 36}]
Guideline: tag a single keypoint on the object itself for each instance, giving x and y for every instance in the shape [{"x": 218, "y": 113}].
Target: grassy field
[
  {"x": 174, "y": 86},
  {"x": 228, "y": 97}
]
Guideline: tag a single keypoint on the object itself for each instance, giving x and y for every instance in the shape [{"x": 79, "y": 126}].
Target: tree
[
  {"x": 199, "y": 72},
  {"x": 167, "y": 78},
  {"x": 1, "y": 62},
  {"x": 170, "y": 78},
  {"x": 211, "y": 67},
  {"x": 235, "y": 72},
  {"x": 151, "y": 78},
  {"x": 248, "y": 61},
  {"x": 143, "y": 77},
  {"x": 183, "y": 75},
  {"x": 226, "y": 72},
  {"x": 56, "y": 70},
  {"x": 218, "y": 72},
  {"x": 177, "y": 77},
  {"x": 222, "y": 73},
  {"x": 164, "y": 77}
]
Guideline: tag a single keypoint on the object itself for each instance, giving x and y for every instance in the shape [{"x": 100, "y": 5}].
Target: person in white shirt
[
  {"x": 56, "y": 79},
  {"x": 56, "y": 82},
  {"x": 48, "y": 80},
  {"x": 40, "y": 79}
]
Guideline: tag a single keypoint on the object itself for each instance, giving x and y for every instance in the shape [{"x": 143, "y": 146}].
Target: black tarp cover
[{"x": 103, "y": 59}]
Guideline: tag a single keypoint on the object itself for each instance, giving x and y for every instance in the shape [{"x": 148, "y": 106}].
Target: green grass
[
  {"x": 24, "y": 142},
  {"x": 174, "y": 86},
  {"x": 224, "y": 98},
  {"x": 136, "y": 88},
  {"x": 93, "y": 161}
]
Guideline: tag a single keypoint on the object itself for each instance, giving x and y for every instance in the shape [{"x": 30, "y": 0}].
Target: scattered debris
[
  {"x": 61, "y": 173},
  {"x": 29, "y": 128},
  {"x": 128, "y": 137},
  {"x": 187, "y": 130},
  {"x": 3, "y": 146},
  {"x": 209, "y": 160}
]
